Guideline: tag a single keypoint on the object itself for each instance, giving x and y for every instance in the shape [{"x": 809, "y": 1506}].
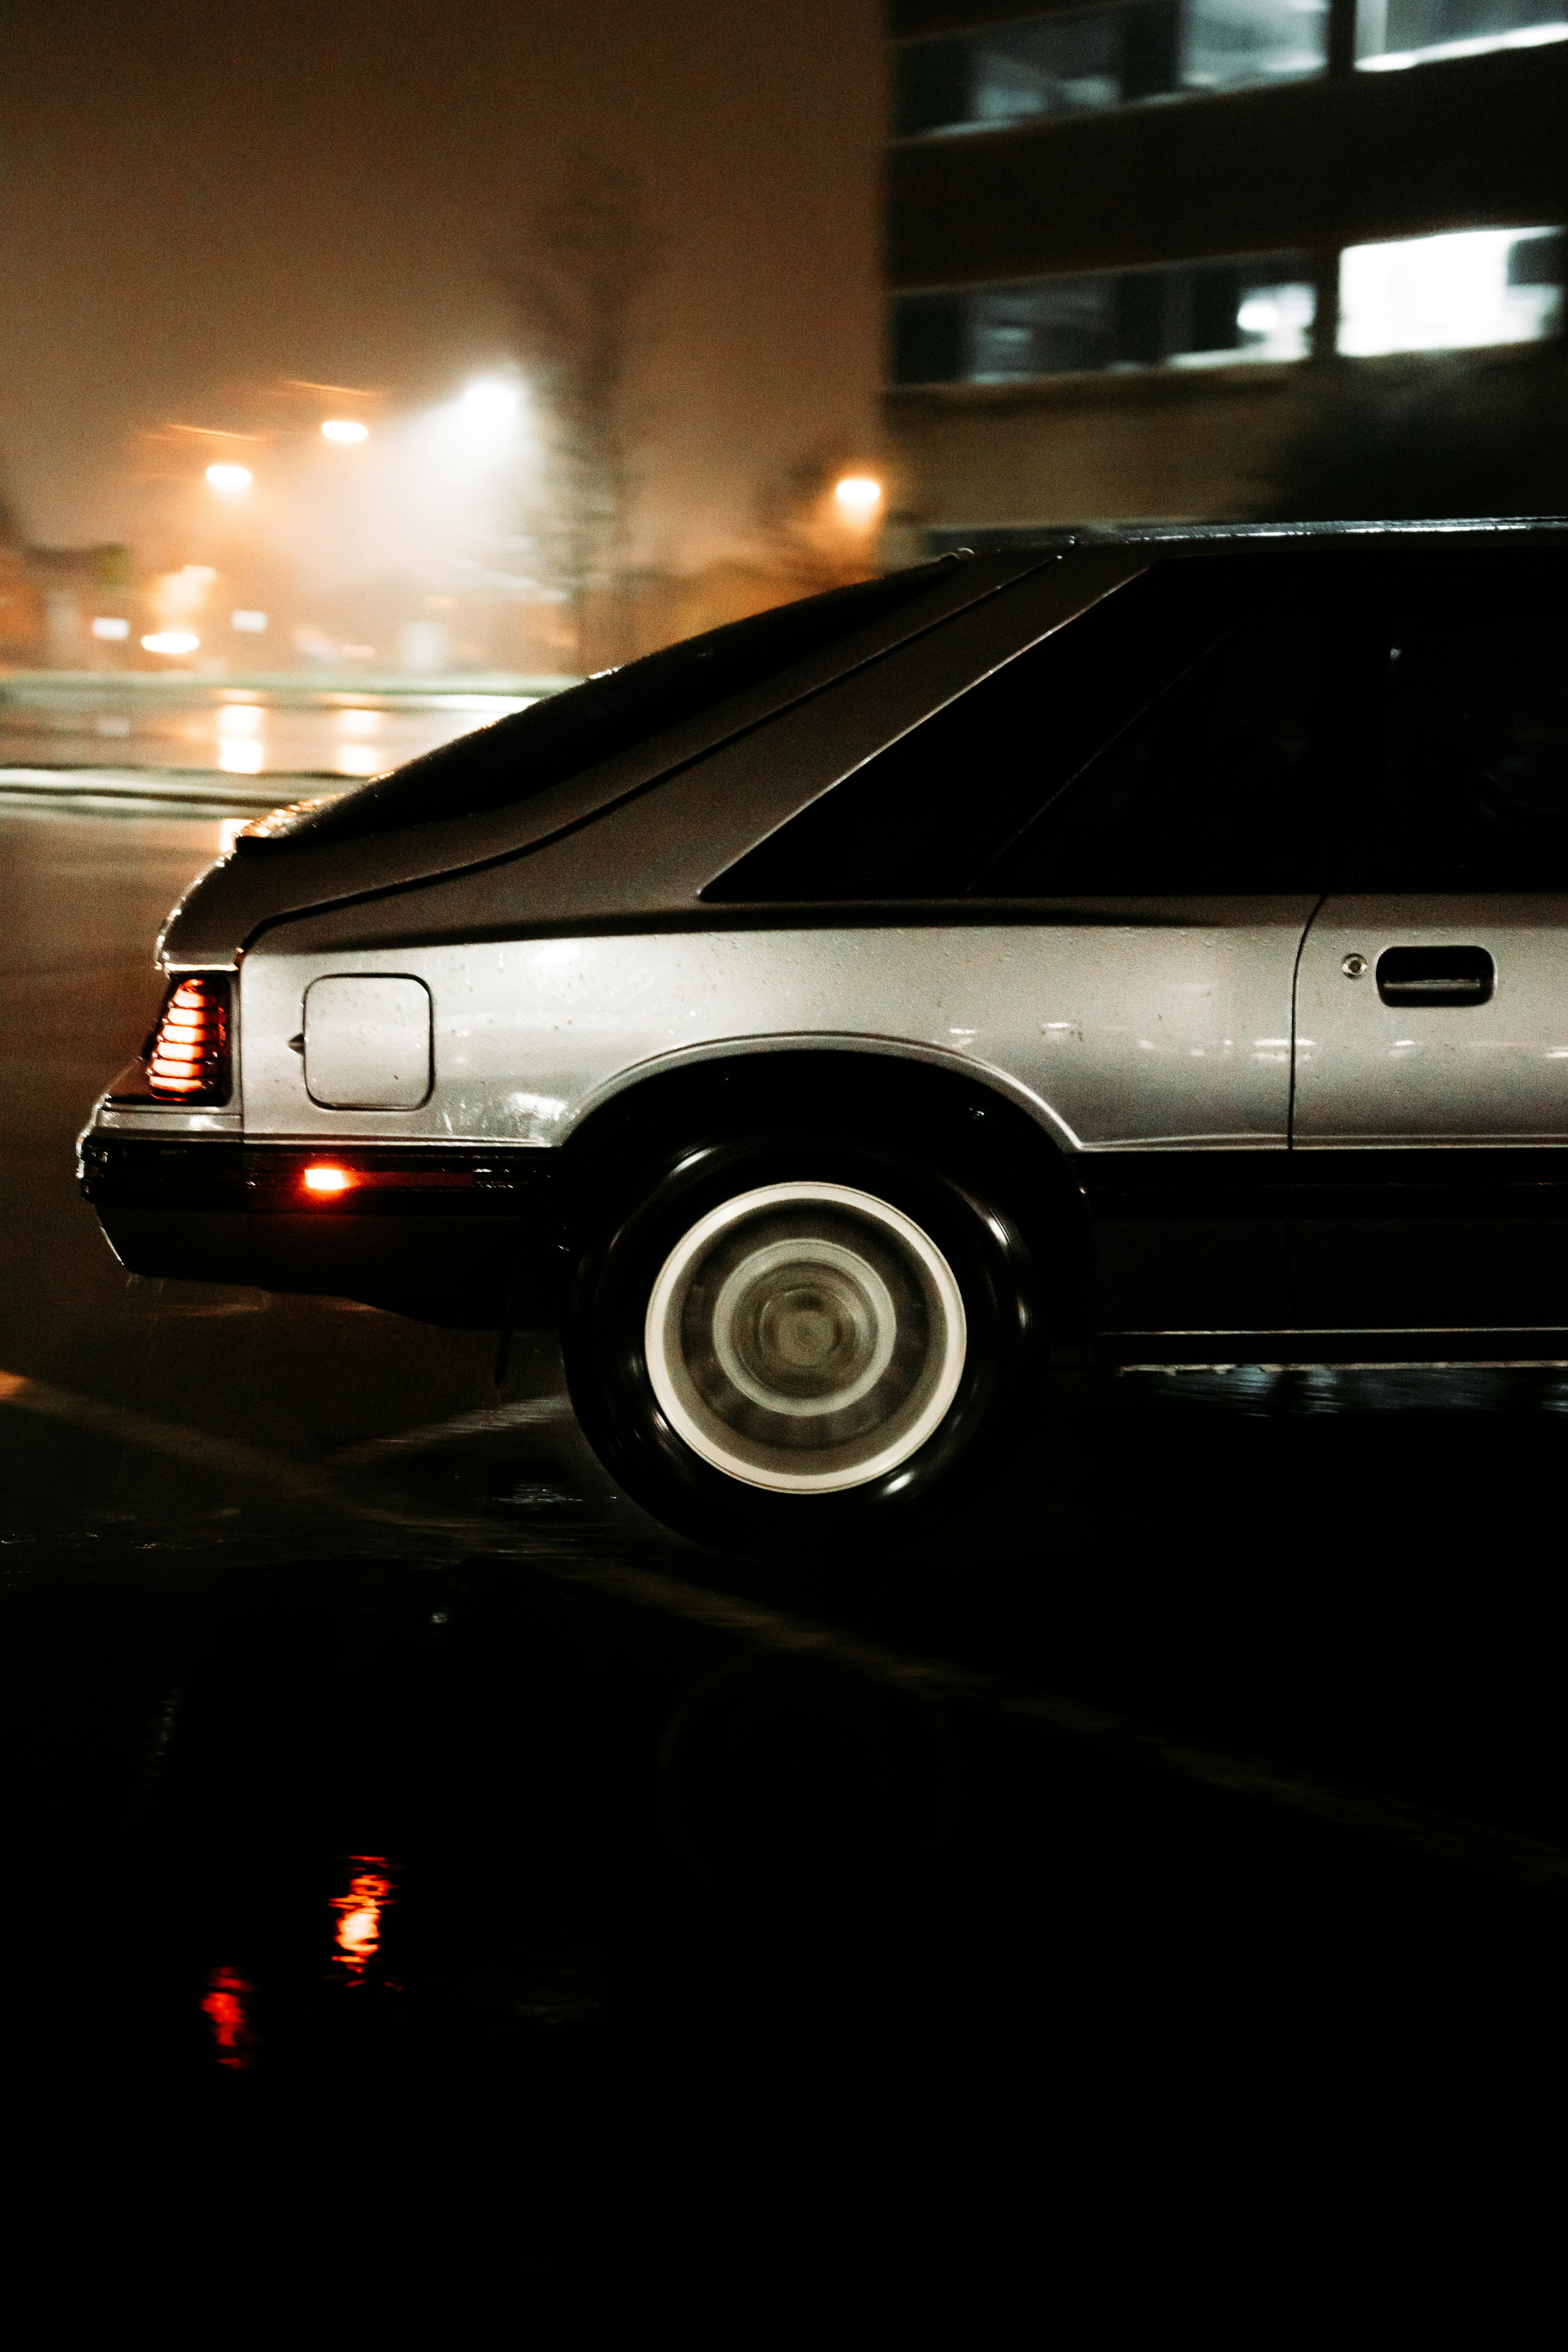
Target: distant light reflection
[
  {"x": 224, "y": 2006},
  {"x": 358, "y": 1936},
  {"x": 240, "y": 752},
  {"x": 357, "y": 759}
]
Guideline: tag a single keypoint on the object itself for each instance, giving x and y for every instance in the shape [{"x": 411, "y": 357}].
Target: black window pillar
[
  {"x": 1151, "y": 44},
  {"x": 1325, "y": 336},
  {"x": 1342, "y": 36}
]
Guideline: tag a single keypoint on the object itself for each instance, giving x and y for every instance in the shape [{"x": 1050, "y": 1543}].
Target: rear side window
[
  {"x": 563, "y": 737},
  {"x": 1468, "y": 788},
  {"x": 1159, "y": 743},
  {"x": 1217, "y": 788}
]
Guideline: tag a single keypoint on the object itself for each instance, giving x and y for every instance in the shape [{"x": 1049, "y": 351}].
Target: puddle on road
[{"x": 227, "y": 2005}]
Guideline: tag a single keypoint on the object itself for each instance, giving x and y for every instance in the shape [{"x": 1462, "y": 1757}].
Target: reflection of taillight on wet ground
[
  {"x": 358, "y": 1936},
  {"x": 188, "y": 1057},
  {"x": 223, "y": 2004}
]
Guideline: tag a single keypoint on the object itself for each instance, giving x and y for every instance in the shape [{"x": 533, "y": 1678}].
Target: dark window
[
  {"x": 930, "y": 344},
  {"x": 1208, "y": 792},
  {"x": 931, "y": 87},
  {"x": 1539, "y": 260},
  {"x": 1215, "y": 296},
  {"x": 1056, "y": 330},
  {"x": 1077, "y": 61},
  {"x": 1260, "y": 307},
  {"x": 1140, "y": 318},
  {"x": 1216, "y": 788},
  {"x": 518, "y": 757},
  {"x": 1469, "y": 788},
  {"x": 1149, "y": 40}
]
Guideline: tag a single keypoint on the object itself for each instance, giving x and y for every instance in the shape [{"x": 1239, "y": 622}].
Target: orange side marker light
[{"x": 327, "y": 1180}]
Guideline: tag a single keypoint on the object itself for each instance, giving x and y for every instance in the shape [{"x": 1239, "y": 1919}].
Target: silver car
[{"x": 1138, "y": 949}]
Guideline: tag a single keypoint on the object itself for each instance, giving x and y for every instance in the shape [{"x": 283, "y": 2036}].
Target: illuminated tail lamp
[
  {"x": 326, "y": 1182},
  {"x": 188, "y": 1055}
]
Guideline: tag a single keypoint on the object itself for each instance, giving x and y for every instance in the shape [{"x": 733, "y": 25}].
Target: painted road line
[
  {"x": 527, "y": 1413},
  {"x": 217, "y": 1457}
]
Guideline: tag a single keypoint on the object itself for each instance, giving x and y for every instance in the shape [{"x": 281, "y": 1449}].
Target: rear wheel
[{"x": 787, "y": 1341}]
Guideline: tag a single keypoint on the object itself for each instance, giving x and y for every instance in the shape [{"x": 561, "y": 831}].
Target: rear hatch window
[{"x": 499, "y": 765}]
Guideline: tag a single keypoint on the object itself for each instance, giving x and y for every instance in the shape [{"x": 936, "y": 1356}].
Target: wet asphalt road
[{"x": 397, "y": 1815}]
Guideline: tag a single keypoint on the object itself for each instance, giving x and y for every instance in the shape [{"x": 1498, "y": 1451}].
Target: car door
[
  {"x": 1430, "y": 1118},
  {"x": 1170, "y": 884}
]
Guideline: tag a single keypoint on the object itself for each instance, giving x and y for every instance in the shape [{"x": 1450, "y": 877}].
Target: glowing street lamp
[
  {"x": 344, "y": 428},
  {"x": 859, "y": 495},
  {"x": 489, "y": 400},
  {"x": 231, "y": 480}
]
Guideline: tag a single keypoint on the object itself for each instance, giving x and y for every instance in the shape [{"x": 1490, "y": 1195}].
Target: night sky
[{"x": 200, "y": 198}]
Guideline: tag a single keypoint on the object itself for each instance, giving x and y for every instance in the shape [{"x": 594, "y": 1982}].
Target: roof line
[{"x": 1023, "y": 536}]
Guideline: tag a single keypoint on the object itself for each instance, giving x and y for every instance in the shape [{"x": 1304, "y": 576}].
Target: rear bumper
[{"x": 448, "y": 1234}]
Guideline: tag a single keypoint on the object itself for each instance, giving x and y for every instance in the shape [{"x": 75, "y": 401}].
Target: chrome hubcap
[{"x": 805, "y": 1337}]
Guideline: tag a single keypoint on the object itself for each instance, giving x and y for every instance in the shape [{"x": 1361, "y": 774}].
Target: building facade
[
  {"x": 61, "y": 607},
  {"x": 1118, "y": 237}
]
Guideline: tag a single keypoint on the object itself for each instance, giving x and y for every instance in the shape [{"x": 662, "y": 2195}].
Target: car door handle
[{"x": 1435, "y": 975}]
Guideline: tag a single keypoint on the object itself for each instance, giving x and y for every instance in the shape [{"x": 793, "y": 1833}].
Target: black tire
[{"x": 789, "y": 1340}]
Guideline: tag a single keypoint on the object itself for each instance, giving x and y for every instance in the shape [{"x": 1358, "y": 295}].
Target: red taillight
[{"x": 189, "y": 1058}]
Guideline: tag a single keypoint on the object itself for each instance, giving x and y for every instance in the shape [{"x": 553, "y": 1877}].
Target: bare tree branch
[{"x": 574, "y": 280}]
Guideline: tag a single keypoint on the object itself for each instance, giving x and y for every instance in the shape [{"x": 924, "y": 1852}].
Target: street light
[
  {"x": 859, "y": 496},
  {"x": 231, "y": 480},
  {"x": 344, "y": 428},
  {"x": 489, "y": 400}
]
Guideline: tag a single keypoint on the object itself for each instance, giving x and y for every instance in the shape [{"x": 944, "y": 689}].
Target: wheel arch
[{"x": 629, "y": 1136}]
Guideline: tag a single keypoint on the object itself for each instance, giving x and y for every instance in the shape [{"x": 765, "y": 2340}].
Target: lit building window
[
  {"x": 1200, "y": 314},
  {"x": 1078, "y": 63},
  {"x": 1235, "y": 44},
  {"x": 1394, "y": 33},
  {"x": 1451, "y": 293}
]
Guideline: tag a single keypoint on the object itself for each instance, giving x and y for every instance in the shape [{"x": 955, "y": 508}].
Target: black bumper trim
[
  {"x": 221, "y": 1173},
  {"x": 1497, "y": 1347},
  {"x": 446, "y": 1234}
]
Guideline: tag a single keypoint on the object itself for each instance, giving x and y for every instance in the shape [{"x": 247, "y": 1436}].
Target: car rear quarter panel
[{"x": 1114, "y": 1026}]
